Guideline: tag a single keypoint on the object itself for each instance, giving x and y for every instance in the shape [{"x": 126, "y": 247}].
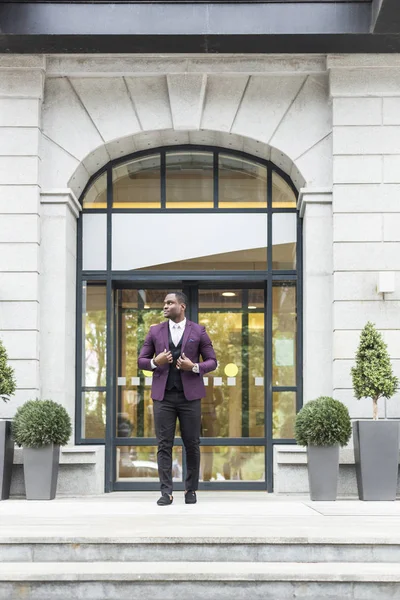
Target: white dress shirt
[{"x": 176, "y": 330}]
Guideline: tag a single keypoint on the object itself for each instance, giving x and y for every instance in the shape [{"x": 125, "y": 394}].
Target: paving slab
[{"x": 218, "y": 517}]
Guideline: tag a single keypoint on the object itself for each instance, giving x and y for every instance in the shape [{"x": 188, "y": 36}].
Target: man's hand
[
  {"x": 184, "y": 364},
  {"x": 163, "y": 358}
]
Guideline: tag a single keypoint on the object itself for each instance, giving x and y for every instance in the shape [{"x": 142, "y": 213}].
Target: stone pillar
[
  {"x": 315, "y": 207},
  {"x": 21, "y": 93},
  {"x": 59, "y": 212},
  {"x": 366, "y": 211}
]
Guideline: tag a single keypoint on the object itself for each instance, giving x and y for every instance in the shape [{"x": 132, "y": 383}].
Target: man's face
[{"x": 172, "y": 308}]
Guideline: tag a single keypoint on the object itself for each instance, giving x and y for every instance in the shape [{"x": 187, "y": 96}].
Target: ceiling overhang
[{"x": 199, "y": 27}]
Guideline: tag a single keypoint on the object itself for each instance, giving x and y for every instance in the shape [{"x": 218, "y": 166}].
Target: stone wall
[
  {"x": 366, "y": 212},
  {"x": 21, "y": 94},
  {"x": 98, "y": 108}
]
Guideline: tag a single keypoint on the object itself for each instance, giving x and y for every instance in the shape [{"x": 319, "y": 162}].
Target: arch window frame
[
  {"x": 112, "y": 278},
  {"x": 163, "y": 150}
]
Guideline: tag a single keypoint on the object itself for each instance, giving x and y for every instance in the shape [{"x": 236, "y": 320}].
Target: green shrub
[
  {"x": 373, "y": 374},
  {"x": 41, "y": 422},
  {"x": 7, "y": 379},
  {"x": 323, "y": 422}
]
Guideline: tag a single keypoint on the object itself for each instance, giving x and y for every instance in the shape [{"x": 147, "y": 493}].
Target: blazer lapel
[
  {"x": 165, "y": 335},
  {"x": 186, "y": 335}
]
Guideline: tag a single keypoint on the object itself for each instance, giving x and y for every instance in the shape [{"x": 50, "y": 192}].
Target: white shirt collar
[{"x": 181, "y": 324}]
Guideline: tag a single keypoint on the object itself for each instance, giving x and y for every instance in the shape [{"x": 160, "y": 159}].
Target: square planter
[
  {"x": 323, "y": 471},
  {"x": 6, "y": 458},
  {"x": 41, "y": 472},
  {"x": 376, "y": 454}
]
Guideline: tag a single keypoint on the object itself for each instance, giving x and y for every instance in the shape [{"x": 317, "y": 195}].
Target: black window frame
[{"x": 116, "y": 279}]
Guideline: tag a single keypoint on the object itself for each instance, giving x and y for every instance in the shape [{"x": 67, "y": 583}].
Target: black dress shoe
[
  {"x": 190, "y": 497},
  {"x": 165, "y": 499}
]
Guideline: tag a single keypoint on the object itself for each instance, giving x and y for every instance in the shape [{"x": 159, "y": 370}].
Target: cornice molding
[
  {"x": 313, "y": 196},
  {"x": 61, "y": 196}
]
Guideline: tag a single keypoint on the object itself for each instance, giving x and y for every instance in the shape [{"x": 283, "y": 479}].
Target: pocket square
[{"x": 191, "y": 340}]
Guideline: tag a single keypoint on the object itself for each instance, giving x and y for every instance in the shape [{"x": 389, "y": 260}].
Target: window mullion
[
  {"x": 216, "y": 179},
  {"x": 163, "y": 180}
]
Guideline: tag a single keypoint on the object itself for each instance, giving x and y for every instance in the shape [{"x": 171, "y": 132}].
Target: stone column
[
  {"x": 59, "y": 213},
  {"x": 315, "y": 207},
  {"x": 366, "y": 211},
  {"x": 21, "y": 93}
]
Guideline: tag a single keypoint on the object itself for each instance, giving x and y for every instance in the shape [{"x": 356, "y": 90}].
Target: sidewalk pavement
[{"x": 218, "y": 516}]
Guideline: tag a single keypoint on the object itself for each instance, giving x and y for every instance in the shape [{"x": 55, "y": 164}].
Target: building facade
[{"x": 265, "y": 186}]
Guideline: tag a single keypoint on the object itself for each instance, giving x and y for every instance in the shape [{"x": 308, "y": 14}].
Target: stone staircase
[
  {"x": 168, "y": 569},
  {"x": 120, "y": 550}
]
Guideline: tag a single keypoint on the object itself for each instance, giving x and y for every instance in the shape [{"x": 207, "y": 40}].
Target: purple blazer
[{"x": 195, "y": 343}]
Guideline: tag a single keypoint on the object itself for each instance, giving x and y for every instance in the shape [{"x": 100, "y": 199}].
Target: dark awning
[{"x": 198, "y": 27}]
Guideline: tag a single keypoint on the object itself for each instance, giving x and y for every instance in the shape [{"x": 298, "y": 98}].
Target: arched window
[
  {"x": 222, "y": 226},
  {"x": 154, "y": 196}
]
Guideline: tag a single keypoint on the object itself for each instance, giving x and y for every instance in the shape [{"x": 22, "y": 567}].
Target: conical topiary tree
[
  {"x": 7, "y": 378},
  {"x": 373, "y": 375}
]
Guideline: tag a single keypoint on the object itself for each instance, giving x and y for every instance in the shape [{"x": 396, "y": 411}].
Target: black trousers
[{"x": 166, "y": 412}]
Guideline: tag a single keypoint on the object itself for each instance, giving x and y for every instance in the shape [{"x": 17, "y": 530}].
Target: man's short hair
[{"x": 181, "y": 297}]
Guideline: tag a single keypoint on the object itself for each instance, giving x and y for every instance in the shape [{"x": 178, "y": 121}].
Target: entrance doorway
[
  {"x": 222, "y": 227},
  {"x": 236, "y": 449}
]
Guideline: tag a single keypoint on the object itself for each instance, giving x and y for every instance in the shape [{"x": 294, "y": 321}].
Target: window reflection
[
  {"x": 94, "y": 247},
  {"x": 234, "y": 402},
  {"x": 138, "y": 310},
  {"x": 137, "y": 183},
  {"x": 96, "y": 196},
  {"x": 139, "y": 463},
  {"x": 189, "y": 180},
  {"x": 190, "y": 183},
  {"x": 94, "y": 414},
  {"x": 284, "y": 236},
  {"x": 232, "y": 463},
  {"x": 242, "y": 183},
  {"x": 206, "y": 242},
  {"x": 95, "y": 331},
  {"x": 284, "y": 331},
  {"x": 283, "y": 195},
  {"x": 283, "y": 414}
]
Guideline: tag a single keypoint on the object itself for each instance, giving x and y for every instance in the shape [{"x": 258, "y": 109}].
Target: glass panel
[
  {"x": 94, "y": 415},
  {"x": 137, "y": 184},
  {"x": 138, "y": 310},
  {"x": 284, "y": 414},
  {"x": 284, "y": 236},
  {"x": 94, "y": 328},
  {"x": 139, "y": 463},
  {"x": 189, "y": 180},
  {"x": 94, "y": 243},
  {"x": 256, "y": 373},
  {"x": 234, "y": 402},
  {"x": 283, "y": 195},
  {"x": 284, "y": 326},
  {"x": 242, "y": 183},
  {"x": 96, "y": 196},
  {"x": 232, "y": 463},
  {"x": 180, "y": 242}
]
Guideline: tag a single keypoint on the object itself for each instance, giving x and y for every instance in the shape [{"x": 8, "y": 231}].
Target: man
[{"x": 172, "y": 350}]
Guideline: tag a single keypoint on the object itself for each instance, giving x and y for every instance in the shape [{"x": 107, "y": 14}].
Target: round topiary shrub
[
  {"x": 41, "y": 422},
  {"x": 7, "y": 376},
  {"x": 323, "y": 422}
]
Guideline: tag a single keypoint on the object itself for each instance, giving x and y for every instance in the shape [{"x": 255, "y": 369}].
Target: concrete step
[
  {"x": 191, "y": 550},
  {"x": 169, "y": 580}
]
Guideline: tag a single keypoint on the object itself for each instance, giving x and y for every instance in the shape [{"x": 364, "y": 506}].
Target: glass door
[
  {"x": 233, "y": 411},
  {"x": 233, "y": 430},
  {"x": 135, "y": 448}
]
